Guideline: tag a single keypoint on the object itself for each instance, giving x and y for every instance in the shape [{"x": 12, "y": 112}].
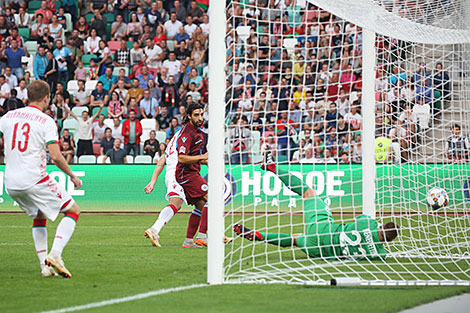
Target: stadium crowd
[{"x": 115, "y": 65}]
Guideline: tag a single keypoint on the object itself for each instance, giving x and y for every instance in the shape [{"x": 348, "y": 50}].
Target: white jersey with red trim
[
  {"x": 171, "y": 155},
  {"x": 26, "y": 134}
]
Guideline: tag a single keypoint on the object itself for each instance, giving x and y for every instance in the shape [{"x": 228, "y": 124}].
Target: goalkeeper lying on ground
[{"x": 324, "y": 238}]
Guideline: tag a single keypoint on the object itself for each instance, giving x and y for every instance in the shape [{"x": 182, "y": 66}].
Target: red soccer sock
[
  {"x": 203, "y": 225},
  {"x": 193, "y": 224}
]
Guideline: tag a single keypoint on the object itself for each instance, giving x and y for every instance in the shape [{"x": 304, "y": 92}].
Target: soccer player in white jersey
[
  {"x": 27, "y": 132},
  {"x": 175, "y": 193}
]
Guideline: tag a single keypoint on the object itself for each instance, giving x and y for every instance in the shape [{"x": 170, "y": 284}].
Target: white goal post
[{"x": 394, "y": 52}]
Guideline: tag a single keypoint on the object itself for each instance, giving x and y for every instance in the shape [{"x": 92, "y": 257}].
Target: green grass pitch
[{"x": 110, "y": 258}]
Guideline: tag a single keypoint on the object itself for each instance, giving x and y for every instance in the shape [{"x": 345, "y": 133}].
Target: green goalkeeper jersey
[{"x": 357, "y": 240}]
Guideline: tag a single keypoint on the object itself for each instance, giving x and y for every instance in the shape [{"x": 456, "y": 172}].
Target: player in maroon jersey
[{"x": 191, "y": 147}]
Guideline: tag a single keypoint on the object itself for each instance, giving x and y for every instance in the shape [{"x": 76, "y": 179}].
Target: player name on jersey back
[{"x": 26, "y": 132}]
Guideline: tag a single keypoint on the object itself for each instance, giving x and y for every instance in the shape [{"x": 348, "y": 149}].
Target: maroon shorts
[{"x": 194, "y": 188}]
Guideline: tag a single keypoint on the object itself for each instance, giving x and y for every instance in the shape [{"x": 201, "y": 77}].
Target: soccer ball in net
[{"x": 437, "y": 198}]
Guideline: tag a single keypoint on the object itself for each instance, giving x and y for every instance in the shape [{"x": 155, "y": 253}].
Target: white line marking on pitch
[
  {"x": 125, "y": 299},
  {"x": 100, "y": 227}
]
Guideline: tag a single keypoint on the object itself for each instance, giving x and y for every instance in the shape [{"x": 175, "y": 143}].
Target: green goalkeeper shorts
[{"x": 319, "y": 221}]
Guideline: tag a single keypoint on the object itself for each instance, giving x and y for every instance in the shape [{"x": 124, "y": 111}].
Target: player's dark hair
[
  {"x": 190, "y": 109},
  {"x": 391, "y": 231},
  {"x": 37, "y": 90}
]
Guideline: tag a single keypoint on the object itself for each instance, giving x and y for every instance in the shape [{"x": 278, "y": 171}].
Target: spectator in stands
[
  {"x": 83, "y": 28},
  {"x": 11, "y": 79},
  {"x": 115, "y": 106},
  {"x": 163, "y": 119},
  {"x": 4, "y": 91},
  {"x": 99, "y": 96},
  {"x": 106, "y": 59},
  {"x": 46, "y": 39},
  {"x": 151, "y": 145},
  {"x": 122, "y": 56},
  {"x": 120, "y": 89},
  {"x": 101, "y": 5},
  {"x": 59, "y": 109},
  {"x": 67, "y": 137},
  {"x": 353, "y": 118},
  {"x": 132, "y": 130},
  {"x": 67, "y": 152},
  {"x": 63, "y": 56},
  {"x": 149, "y": 107},
  {"x": 152, "y": 16},
  {"x": 22, "y": 91},
  {"x": 285, "y": 130},
  {"x": 356, "y": 155},
  {"x": 457, "y": 146},
  {"x": 137, "y": 57},
  {"x": 134, "y": 28},
  {"x": 144, "y": 77},
  {"x": 153, "y": 56},
  {"x": 173, "y": 129},
  {"x": 107, "y": 142},
  {"x": 181, "y": 39},
  {"x": 116, "y": 154},
  {"x": 51, "y": 74},
  {"x": 92, "y": 44},
  {"x": 240, "y": 141},
  {"x": 93, "y": 71},
  {"x": 155, "y": 92},
  {"x": 99, "y": 129},
  {"x": 180, "y": 10},
  {"x": 160, "y": 153},
  {"x": 421, "y": 73},
  {"x": 61, "y": 91},
  {"x": 441, "y": 82},
  {"x": 12, "y": 102},
  {"x": 396, "y": 75},
  {"x": 23, "y": 19},
  {"x": 14, "y": 55},
  {"x": 80, "y": 72},
  {"x": 383, "y": 151},
  {"x": 135, "y": 92},
  {"x": 119, "y": 27},
  {"x": 172, "y": 26},
  {"x": 56, "y": 29},
  {"x": 85, "y": 136},
  {"x": 107, "y": 79},
  {"x": 117, "y": 129},
  {"x": 172, "y": 65},
  {"x": 170, "y": 93},
  {"x": 81, "y": 97},
  {"x": 14, "y": 35},
  {"x": 99, "y": 23},
  {"x": 332, "y": 115},
  {"x": 44, "y": 12}
]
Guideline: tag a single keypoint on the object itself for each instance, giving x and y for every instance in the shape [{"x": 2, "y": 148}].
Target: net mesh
[{"x": 294, "y": 88}]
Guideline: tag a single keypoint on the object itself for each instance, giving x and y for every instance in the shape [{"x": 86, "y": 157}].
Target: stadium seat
[
  {"x": 33, "y": 6},
  {"x": 103, "y": 111},
  {"x": 89, "y": 16},
  {"x": 130, "y": 44},
  {"x": 68, "y": 23},
  {"x": 109, "y": 122},
  {"x": 31, "y": 47},
  {"x": 79, "y": 110},
  {"x": 91, "y": 85},
  {"x": 130, "y": 159},
  {"x": 87, "y": 159},
  {"x": 72, "y": 86},
  {"x": 110, "y": 17},
  {"x": 148, "y": 123},
  {"x": 75, "y": 159},
  {"x": 289, "y": 44},
  {"x": 114, "y": 46},
  {"x": 58, "y": 4},
  {"x": 24, "y": 32},
  {"x": 96, "y": 149},
  {"x": 117, "y": 69},
  {"x": 161, "y": 136},
  {"x": 71, "y": 124},
  {"x": 171, "y": 45},
  {"x": 143, "y": 159},
  {"x": 108, "y": 29},
  {"x": 99, "y": 160},
  {"x": 86, "y": 59}
]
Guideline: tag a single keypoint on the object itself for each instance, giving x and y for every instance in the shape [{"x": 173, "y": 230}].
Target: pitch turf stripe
[{"x": 125, "y": 299}]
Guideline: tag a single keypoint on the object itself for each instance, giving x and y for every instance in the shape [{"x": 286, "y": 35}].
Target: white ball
[{"x": 437, "y": 198}]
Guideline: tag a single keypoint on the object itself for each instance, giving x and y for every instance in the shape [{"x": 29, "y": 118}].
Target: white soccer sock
[
  {"x": 63, "y": 234},
  {"x": 165, "y": 216},
  {"x": 40, "y": 243},
  {"x": 201, "y": 236}
]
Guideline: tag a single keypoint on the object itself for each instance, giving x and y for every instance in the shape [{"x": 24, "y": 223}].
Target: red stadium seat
[
  {"x": 96, "y": 149},
  {"x": 114, "y": 46}
]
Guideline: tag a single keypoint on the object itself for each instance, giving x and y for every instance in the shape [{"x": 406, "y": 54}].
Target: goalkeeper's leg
[
  {"x": 278, "y": 239},
  {"x": 293, "y": 182}
]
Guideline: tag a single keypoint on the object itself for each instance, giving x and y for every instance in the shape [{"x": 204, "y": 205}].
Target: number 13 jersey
[{"x": 26, "y": 134}]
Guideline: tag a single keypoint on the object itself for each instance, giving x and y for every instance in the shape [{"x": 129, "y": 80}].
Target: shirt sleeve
[
  {"x": 51, "y": 135},
  {"x": 184, "y": 144}
]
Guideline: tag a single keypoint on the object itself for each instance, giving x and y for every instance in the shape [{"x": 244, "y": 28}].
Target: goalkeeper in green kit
[{"x": 361, "y": 239}]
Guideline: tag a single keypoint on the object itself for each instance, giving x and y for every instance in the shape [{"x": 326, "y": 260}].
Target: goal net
[{"x": 368, "y": 102}]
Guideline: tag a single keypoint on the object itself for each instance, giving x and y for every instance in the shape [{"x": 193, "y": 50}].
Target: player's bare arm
[
  {"x": 59, "y": 160},
  {"x": 156, "y": 173}
]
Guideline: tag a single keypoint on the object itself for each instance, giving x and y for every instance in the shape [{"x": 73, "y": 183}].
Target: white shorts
[
  {"x": 47, "y": 196},
  {"x": 173, "y": 189}
]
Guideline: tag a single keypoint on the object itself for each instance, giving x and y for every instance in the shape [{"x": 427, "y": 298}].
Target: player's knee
[{"x": 74, "y": 209}]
